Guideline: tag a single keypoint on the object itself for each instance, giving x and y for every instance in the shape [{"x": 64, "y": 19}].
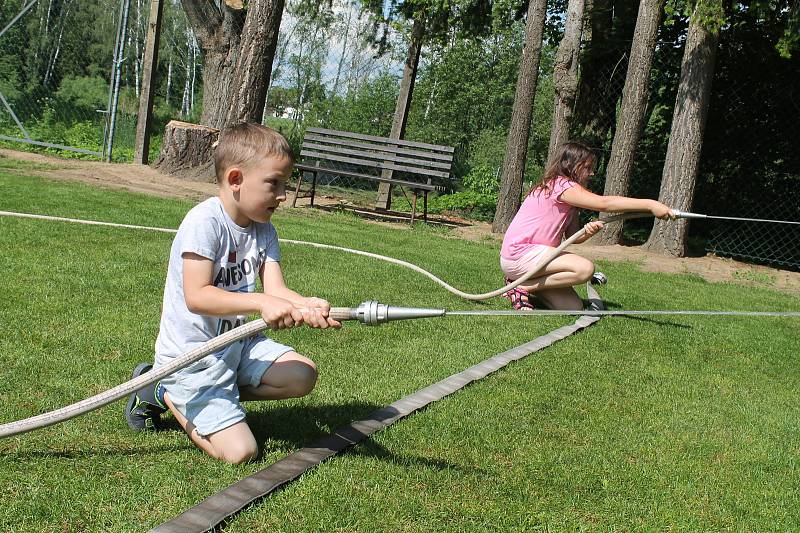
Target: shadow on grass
[
  {"x": 282, "y": 428},
  {"x": 613, "y": 306},
  {"x": 321, "y": 446},
  {"x": 300, "y": 426},
  {"x": 96, "y": 451}
]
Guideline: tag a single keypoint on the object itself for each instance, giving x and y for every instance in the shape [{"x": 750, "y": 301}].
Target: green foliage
[
  {"x": 469, "y": 203},
  {"x": 10, "y": 82},
  {"x": 483, "y": 179},
  {"x": 83, "y": 135},
  {"x": 485, "y": 161},
  {"x": 710, "y": 14},
  {"x": 369, "y": 109},
  {"x": 84, "y": 93},
  {"x": 466, "y": 88},
  {"x": 789, "y": 42}
]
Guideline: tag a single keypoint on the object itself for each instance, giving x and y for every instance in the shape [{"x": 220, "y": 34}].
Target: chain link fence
[
  {"x": 57, "y": 62},
  {"x": 758, "y": 242},
  {"x": 71, "y": 74},
  {"x": 749, "y": 165}
]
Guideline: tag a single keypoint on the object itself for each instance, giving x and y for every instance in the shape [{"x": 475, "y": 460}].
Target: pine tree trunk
[
  {"x": 508, "y": 200},
  {"x": 632, "y": 111},
  {"x": 384, "y": 200},
  {"x": 602, "y": 69},
  {"x": 565, "y": 77},
  {"x": 686, "y": 138}
]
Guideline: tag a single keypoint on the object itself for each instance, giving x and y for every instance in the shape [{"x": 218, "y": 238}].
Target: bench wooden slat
[
  {"x": 400, "y": 142},
  {"x": 380, "y": 156},
  {"x": 402, "y": 183},
  {"x": 448, "y": 157},
  {"x": 323, "y": 148},
  {"x": 373, "y": 164}
]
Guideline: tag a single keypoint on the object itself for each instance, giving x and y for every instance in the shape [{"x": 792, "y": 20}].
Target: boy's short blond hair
[{"x": 244, "y": 143}]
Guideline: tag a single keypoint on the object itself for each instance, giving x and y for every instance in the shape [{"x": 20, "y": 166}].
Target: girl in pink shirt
[{"x": 548, "y": 214}]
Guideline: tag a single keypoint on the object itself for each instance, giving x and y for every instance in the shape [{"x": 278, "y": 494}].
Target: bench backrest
[{"x": 345, "y": 149}]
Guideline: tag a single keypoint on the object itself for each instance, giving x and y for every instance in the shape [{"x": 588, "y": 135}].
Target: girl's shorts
[
  {"x": 516, "y": 268},
  {"x": 207, "y": 391}
]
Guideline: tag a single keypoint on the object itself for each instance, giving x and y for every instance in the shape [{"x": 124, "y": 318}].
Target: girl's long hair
[{"x": 573, "y": 157}]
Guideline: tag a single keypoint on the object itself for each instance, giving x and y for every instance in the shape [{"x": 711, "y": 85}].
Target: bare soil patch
[{"x": 144, "y": 179}]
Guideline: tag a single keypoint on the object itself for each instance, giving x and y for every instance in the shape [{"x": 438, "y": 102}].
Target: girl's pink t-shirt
[{"x": 542, "y": 219}]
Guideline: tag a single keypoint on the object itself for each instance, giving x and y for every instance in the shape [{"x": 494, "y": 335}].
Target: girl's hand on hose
[
  {"x": 661, "y": 211},
  {"x": 593, "y": 227}
]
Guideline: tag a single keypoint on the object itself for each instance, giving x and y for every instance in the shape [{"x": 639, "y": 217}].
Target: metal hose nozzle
[{"x": 372, "y": 313}]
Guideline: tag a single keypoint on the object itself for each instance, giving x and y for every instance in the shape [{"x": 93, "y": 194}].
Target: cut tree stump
[{"x": 186, "y": 152}]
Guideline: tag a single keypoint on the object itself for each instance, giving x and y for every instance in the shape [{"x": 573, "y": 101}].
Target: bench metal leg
[
  {"x": 313, "y": 188},
  {"x": 297, "y": 189}
]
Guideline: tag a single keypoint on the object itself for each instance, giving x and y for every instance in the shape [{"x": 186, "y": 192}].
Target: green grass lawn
[{"x": 658, "y": 423}]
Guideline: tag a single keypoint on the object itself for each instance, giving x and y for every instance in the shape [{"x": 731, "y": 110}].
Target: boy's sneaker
[
  {"x": 598, "y": 278},
  {"x": 143, "y": 410}
]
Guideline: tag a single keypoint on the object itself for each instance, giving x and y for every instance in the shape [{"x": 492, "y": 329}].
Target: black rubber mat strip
[{"x": 217, "y": 508}]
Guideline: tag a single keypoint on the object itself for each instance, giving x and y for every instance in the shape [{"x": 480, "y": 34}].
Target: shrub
[
  {"x": 468, "y": 203},
  {"x": 84, "y": 94}
]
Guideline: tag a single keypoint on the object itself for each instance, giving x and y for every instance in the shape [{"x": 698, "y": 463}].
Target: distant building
[{"x": 288, "y": 112}]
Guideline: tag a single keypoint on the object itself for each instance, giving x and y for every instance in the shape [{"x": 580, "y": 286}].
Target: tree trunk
[
  {"x": 218, "y": 31},
  {"x": 632, "y": 111},
  {"x": 186, "y": 151},
  {"x": 144, "y": 121},
  {"x": 508, "y": 200},
  {"x": 254, "y": 66},
  {"x": 187, "y": 81},
  {"x": 565, "y": 77},
  {"x": 602, "y": 68},
  {"x": 238, "y": 52},
  {"x": 686, "y": 137},
  {"x": 335, "y": 88},
  {"x": 384, "y": 200}
]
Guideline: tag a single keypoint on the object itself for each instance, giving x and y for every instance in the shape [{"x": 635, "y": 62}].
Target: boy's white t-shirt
[{"x": 238, "y": 254}]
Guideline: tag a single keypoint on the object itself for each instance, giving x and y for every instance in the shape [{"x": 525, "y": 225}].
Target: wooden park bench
[{"x": 394, "y": 161}]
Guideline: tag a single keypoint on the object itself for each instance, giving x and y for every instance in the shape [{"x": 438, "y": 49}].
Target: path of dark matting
[{"x": 217, "y": 508}]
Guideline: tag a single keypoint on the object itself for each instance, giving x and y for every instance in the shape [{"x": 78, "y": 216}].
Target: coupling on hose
[{"x": 372, "y": 313}]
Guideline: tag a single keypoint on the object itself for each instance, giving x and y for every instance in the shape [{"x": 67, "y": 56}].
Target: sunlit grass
[{"x": 636, "y": 423}]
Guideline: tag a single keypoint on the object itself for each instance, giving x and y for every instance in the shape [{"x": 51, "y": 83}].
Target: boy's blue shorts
[{"x": 207, "y": 391}]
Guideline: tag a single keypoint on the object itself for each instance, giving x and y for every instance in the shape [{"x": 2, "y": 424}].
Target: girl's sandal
[{"x": 520, "y": 300}]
